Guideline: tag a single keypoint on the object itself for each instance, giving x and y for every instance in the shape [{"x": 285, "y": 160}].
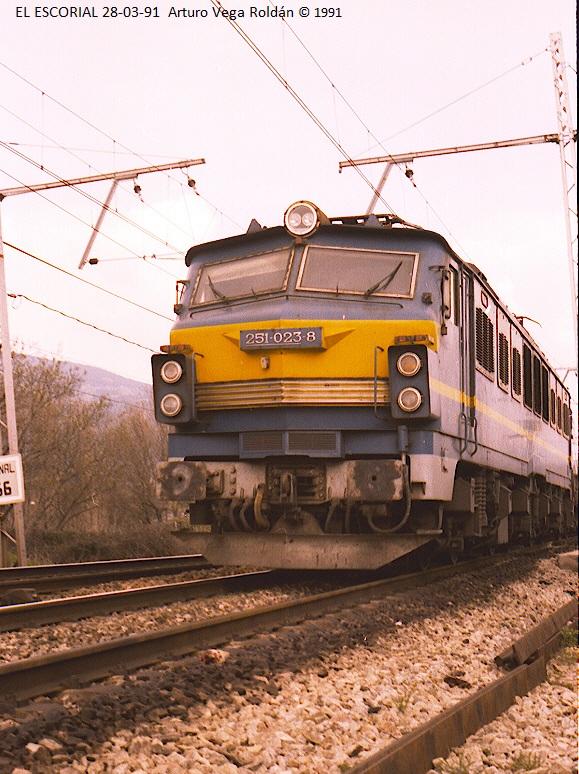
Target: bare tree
[
  {"x": 59, "y": 441},
  {"x": 86, "y": 464},
  {"x": 135, "y": 443}
]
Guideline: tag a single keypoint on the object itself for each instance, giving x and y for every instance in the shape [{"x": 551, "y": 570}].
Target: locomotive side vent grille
[
  {"x": 315, "y": 443},
  {"x": 516, "y": 371},
  {"x": 503, "y": 360},
  {"x": 485, "y": 354}
]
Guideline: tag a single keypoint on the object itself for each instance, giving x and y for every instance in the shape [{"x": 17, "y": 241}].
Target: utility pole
[
  {"x": 568, "y": 155},
  {"x": 11, "y": 426}
]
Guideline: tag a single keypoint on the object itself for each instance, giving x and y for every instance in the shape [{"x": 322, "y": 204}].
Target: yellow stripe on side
[
  {"x": 347, "y": 353},
  {"x": 467, "y": 400}
]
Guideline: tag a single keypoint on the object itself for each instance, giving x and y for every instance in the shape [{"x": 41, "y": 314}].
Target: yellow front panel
[{"x": 347, "y": 353}]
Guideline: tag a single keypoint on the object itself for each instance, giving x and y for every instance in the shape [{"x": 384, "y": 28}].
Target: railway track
[
  {"x": 341, "y": 678},
  {"x": 526, "y": 660},
  {"x": 33, "y": 614},
  {"x": 48, "y": 674},
  {"x": 56, "y": 577}
]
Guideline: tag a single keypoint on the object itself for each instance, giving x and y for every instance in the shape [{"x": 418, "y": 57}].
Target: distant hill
[{"x": 99, "y": 382}]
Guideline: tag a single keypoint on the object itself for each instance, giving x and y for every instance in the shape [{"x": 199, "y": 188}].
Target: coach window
[
  {"x": 545, "y": 392},
  {"x": 537, "y": 394},
  {"x": 553, "y": 407},
  {"x": 559, "y": 413},
  {"x": 527, "y": 377},
  {"x": 516, "y": 364}
]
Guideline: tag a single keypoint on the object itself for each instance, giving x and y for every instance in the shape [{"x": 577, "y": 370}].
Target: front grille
[
  {"x": 308, "y": 440},
  {"x": 267, "y": 441},
  {"x": 325, "y": 443},
  {"x": 296, "y": 392}
]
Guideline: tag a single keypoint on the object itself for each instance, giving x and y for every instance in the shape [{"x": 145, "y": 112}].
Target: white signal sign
[{"x": 11, "y": 479}]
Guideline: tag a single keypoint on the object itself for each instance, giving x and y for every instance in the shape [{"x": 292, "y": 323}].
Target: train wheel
[
  {"x": 425, "y": 556},
  {"x": 454, "y": 555}
]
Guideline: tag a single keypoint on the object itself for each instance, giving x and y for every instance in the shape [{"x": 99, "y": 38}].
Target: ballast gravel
[
  {"x": 74, "y": 634},
  {"x": 320, "y": 697}
]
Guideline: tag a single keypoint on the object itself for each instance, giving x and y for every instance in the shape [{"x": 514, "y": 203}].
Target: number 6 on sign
[{"x": 11, "y": 479}]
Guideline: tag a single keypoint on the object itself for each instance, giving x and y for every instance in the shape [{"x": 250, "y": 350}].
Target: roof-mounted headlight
[{"x": 302, "y": 218}]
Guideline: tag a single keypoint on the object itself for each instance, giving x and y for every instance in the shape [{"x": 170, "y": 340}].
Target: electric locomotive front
[
  {"x": 344, "y": 392},
  {"x": 298, "y": 383}
]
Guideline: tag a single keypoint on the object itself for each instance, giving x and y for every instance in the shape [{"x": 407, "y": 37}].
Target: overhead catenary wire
[
  {"x": 72, "y": 215},
  {"x": 87, "y": 282},
  {"x": 108, "y": 137},
  {"x": 90, "y": 198},
  {"x": 74, "y": 155},
  {"x": 380, "y": 143},
  {"x": 255, "y": 48},
  {"x": 361, "y": 120},
  {"x": 458, "y": 99},
  {"x": 271, "y": 67},
  {"x": 78, "y": 320},
  {"x": 76, "y": 115},
  {"x": 58, "y": 146},
  {"x": 133, "y": 255},
  {"x": 333, "y": 85}
]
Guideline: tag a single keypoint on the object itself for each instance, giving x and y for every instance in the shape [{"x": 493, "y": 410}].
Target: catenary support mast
[{"x": 568, "y": 155}]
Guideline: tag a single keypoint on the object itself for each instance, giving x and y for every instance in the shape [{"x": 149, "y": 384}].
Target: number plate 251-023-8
[{"x": 274, "y": 338}]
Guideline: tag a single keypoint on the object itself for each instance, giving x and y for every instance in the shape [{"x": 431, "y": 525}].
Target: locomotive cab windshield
[
  {"x": 357, "y": 271},
  {"x": 241, "y": 277}
]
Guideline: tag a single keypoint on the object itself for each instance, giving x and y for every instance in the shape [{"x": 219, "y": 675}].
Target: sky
[{"x": 106, "y": 93}]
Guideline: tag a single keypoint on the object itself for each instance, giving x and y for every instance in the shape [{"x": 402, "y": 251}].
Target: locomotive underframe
[{"x": 354, "y": 514}]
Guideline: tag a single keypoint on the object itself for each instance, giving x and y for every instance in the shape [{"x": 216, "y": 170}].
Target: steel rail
[
  {"x": 33, "y": 614},
  {"x": 51, "y": 577},
  {"x": 416, "y": 750},
  {"x": 41, "y": 675},
  {"x": 538, "y": 638}
]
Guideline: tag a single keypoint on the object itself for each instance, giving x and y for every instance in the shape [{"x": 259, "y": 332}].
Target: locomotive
[{"x": 346, "y": 391}]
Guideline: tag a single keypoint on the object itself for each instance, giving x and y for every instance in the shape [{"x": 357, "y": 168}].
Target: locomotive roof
[{"x": 353, "y": 223}]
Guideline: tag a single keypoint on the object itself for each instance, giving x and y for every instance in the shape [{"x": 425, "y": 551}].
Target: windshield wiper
[
  {"x": 383, "y": 283},
  {"x": 216, "y": 292}
]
